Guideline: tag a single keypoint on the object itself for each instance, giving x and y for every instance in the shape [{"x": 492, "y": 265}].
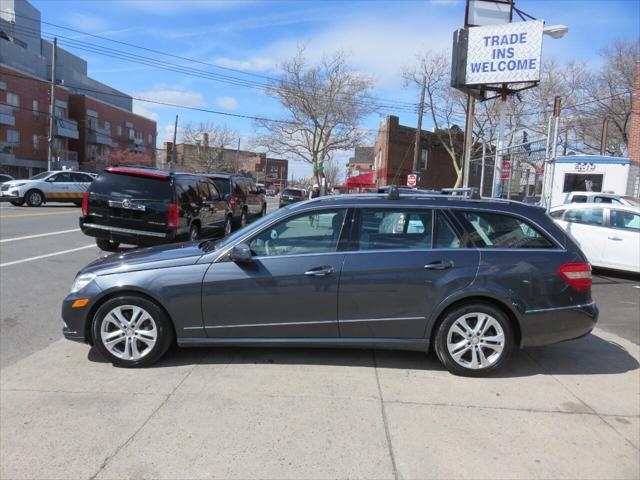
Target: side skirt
[{"x": 418, "y": 344}]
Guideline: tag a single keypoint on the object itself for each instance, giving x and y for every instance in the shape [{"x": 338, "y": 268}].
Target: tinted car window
[
  {"x": 445, "y": 235},
  {"x": 215, "y": 195},
  {"x": 603, "y": 200},
  {"x": 62, "y": 177},
  {"x": 304, "y": 233},
  {"x": 292, "y": 192},
  {"x": 579, "y": 199},
  {"x": 588, "y": 216},
  {"x": 132, "y": 186},
  {"x": 81, "y": 177},
  {"x": 392, "y": 229},
  {"x": 624, "y": 220},
  {"x": 493, "y": 230},
  {"x": 557, "y": 214},
  {"x": 223, "y": 185}
]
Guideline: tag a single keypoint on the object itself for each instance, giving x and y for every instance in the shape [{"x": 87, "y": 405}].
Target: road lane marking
[
  {"x": 43, "y": 214},
  {"x": 27, "y": 237},
  {"x": 39, "y": 257}
]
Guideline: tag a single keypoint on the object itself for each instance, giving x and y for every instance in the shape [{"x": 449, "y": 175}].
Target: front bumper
[
  {"x": 547, "y": 326},
  {"x": 76, "y": 321}
]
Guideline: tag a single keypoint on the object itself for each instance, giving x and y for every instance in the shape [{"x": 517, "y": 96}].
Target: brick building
[
  {"x": 202, "y": 158},
  {"x": 393, "y": 156},
  {"x": 93, "y": 123},
  {"x": 361, "y": 162}
]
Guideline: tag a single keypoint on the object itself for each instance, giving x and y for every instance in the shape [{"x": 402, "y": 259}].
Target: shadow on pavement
[{"x": 590, "y": 355}]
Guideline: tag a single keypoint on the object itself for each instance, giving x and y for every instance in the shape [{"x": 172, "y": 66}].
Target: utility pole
[
  {"x": 605, "y": 133},
  {"x": 417, "y": 150},
  {"x": 468, "y": 140},
  {"x": 554, "y": 145},
  {"x": 52, "y": 104},
  {"x": 237, "y": 157},
  {"x": 172, "y": 160}
]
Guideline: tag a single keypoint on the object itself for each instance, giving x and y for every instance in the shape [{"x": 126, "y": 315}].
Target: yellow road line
[{"x": 42, "y": 214}]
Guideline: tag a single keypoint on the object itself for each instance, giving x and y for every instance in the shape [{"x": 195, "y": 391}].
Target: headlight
[{"x": 82, "y": 281}]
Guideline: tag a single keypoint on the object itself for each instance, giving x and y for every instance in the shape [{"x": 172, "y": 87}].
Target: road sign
[{"x": 412, "y": 180}]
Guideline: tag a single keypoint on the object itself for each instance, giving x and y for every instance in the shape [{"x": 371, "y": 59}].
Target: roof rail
[
  {"x": 394, "y": 193},
  {"x": 471, "y": 192}
]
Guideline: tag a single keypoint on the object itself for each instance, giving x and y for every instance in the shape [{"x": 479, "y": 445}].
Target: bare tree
[
  {"x": 441, "y": 102},
  {"x": 332, "y": 171},
  {"x": 210, "y": 141},
  {"x": 325, "y": 104}
]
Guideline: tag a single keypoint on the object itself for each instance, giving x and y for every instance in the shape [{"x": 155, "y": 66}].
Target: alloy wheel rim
[
  {"x": 243, "y": 220},
  {"x": 475, "y": 341},
  {"x": 227, "y": 227},
  {"x": 35, "y": 198},
  {"x": 128, "y": 332}
]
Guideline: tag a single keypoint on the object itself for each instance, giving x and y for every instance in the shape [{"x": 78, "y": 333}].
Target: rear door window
[
  {"x": 624, "y": 220},
  {"x": 497, "y": 230},
  {"x": 61, "y": 177},
  {"x": 223, "y": 185},
  {"x": 586, "y": 216},
  {"x": 137, "y": 187},
  {"x": 81, "y": 177},
  {"x": 394, "y": 229},
  {"x": 445, "y": 235}
]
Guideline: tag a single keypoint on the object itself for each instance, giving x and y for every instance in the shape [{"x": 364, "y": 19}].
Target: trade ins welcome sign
[{"x": 508, "y": 53}]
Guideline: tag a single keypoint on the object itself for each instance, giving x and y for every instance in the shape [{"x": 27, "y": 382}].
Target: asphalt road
[{"x": 42, "y": 249}]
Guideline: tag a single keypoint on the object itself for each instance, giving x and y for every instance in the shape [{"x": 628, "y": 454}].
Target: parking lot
[{"x": 570, "y": 410}]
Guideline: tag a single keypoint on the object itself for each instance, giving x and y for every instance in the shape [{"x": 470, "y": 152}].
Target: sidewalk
[{"x": 567, "y": 411}]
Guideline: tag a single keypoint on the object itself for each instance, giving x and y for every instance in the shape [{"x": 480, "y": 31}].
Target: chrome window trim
[{"x": 124, "y": 230}]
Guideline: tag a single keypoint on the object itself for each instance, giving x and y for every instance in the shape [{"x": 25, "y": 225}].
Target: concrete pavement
[{"x": 566, "y": 411}]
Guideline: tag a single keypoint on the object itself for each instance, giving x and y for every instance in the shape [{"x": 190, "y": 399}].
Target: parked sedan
[
  {"x": 472, "y": 279},
  {"x": 292, "y": 195},
  {"x": 608, "y": 234}
]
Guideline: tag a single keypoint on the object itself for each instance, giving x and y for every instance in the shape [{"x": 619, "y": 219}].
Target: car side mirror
[{"x": 241, "y": 253}]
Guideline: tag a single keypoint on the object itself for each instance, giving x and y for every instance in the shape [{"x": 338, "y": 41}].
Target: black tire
[
  {"x": 34, "y": 198},
  {"x": 164, "y": 331},
  {"x": 194, "y": 232},
  {"x": 107, "y": 245},
  {"x": 263, "y": 212},
  {"x": 17, "y": 203},
  {"x": 243, "y": 219},
  {"x": 228, "y": 226},
  {"x": 474, "y": 342}
]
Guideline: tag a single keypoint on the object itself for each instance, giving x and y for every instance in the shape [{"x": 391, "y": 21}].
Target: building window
[
  {"x": 92, "y": 152},
  {"x": 60, "y": 112},
  {"x": 424, "y": 157},
  {"x": 13, "y": 137},
  {"x": 132, "y": 134},
  {"x": 119, "y": 129},
  {"x": 36, "y": 109},
  {"x": 36, "y": 143},
  {"x": 107, "y": 126},
  {"x": 13, "y": 99},
  {"x": 149, "y": 139},
  {"x": 92, "y": 123}
]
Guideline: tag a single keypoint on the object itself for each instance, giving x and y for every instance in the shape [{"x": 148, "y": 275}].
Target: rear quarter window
[
  {"x": 223, "y": 185},
  {"x": 498, "y": 230}
]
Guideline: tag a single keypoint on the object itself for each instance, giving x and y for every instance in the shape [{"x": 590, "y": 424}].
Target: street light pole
[{"x": 52, "y": 104}]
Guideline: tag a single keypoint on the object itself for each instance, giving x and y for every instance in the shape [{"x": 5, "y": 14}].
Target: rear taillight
[
  {"x": 173, "y": 218},
  {"x": 85, "y": 204},
  {"x": 578, "y": 275},
  {"x": 233, "y": 201}
]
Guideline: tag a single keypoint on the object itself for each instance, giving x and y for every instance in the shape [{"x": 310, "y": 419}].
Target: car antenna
[{"x": 394, "y": 193}]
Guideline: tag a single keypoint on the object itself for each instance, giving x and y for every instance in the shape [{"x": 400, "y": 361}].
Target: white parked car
[
  {"x": 609, "y": 235},
  {"x": 55, "y": 186},
  {"x": 601, "y": 197}
]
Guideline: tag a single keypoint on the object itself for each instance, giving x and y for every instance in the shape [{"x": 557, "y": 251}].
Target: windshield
[
  {"x": 632, "y": 200},
  {"x": 41, "y": 176},
  {"x": 292, "y": 192}
]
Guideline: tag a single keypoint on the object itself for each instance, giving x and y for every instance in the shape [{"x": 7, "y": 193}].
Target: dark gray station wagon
[{"x": 473, "y": 279}]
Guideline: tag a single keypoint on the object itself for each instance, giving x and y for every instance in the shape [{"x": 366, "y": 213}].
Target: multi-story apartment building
[
  {"x": 361, "y": 162},
  {"x": 82, "y": 105}
]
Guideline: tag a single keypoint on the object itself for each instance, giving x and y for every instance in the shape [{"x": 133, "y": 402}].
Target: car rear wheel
[
  {"x": 107, "y": 245},
  {"x": 194, "y": 232},
  {"x": 228, "y": 225},
  {"x": 474, "y": 340},
  {"x": 34, "y": 198},
  {"x": 243, "y": 219},
  {"x": 131, "y": 331}
]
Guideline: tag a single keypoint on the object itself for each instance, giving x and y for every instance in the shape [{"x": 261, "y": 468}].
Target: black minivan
[{"x": 146, "y": 206}]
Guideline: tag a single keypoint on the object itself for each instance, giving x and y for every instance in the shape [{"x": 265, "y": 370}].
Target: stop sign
[{"x": 412, "y": 180}]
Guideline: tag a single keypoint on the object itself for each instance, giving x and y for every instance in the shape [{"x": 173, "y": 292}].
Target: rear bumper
[
  {"x": 547, "y": 326},
  {"x": 126, "y": 235}
]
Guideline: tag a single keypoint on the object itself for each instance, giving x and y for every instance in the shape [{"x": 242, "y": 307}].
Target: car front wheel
[
  {"x": 474, "y": 340},
  {"x": 107, "y": 245},
  {"x": 131, "y": 331},
  {"x": 34, "y": 198}
]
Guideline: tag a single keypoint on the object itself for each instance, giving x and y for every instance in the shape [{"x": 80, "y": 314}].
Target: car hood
[
  {"x": 162, "y": 256},
  {"x": 19, "y": 182}
]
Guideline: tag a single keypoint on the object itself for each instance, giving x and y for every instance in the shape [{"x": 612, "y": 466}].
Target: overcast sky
[{"x": 381, "y": 37}]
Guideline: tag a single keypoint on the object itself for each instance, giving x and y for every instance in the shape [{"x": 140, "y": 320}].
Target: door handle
[
  {"x": 439, "y": 265},
  {"x": 615, "y": 238},
  {"x": 319, "y": 271}
]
